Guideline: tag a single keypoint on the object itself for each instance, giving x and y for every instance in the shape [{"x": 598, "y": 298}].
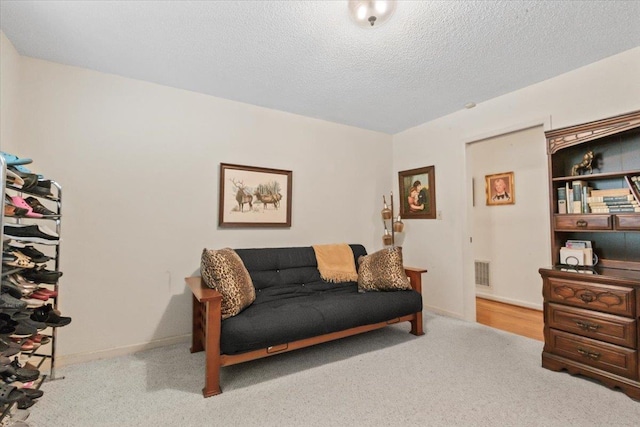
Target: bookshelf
[{"x": 592, "y": 312}]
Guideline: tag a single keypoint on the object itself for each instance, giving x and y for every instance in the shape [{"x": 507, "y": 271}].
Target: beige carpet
[{"x": 458, "y": 374}]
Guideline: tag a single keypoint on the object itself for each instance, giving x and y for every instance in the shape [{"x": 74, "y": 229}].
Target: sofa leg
[
  {"x": 416, "y": 325},
  {"x": 212, "y": 347}
]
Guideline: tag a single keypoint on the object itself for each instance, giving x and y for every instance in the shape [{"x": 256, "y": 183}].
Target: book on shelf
[
  {"x": 576, "y": 187},
  {"x": 606, "y": 199},
  {"x": 611, "y": 192},
  {"x": 569, "y": 192},
  {"x": 636, "y": 181},
  {"x": 613, "y": 204},
  {"x": 616, "y": 209},
  {"x": 562, "y": 200},
  {"x": 586, "y": 191}
]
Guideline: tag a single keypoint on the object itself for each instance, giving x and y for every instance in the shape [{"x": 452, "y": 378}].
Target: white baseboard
[
  {"x": 509, "y": 301},
  {"x": 444, "y": 312},
  {"x": 72, "y": 359}
]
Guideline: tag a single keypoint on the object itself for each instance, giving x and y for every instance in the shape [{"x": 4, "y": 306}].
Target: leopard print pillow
[
  {"x": 382, "y": 271},
  {"x": 224, "y": 271}
]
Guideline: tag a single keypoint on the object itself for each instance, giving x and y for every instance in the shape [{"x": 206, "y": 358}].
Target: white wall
[
  {"x": 513, "y": 238},
  {"x": 9, "y": 86},
  {"x": 601, "y": 89},
  {"x": 139, "y": 167}
]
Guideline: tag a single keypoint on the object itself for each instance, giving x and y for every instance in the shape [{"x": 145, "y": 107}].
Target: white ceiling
[{"x": 308, "y": 58}]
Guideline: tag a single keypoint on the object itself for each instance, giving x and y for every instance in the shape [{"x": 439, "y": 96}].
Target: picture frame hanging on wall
[
  {"x": 500, "y": 189},
  {"x": 254, "y": 196},
  {"x": 418, "y": 193}
]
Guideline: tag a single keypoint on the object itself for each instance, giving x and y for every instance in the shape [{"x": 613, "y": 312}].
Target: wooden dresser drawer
[
  {"x": 628, "y": 222},
  {"x": 594, "y": 296},
  {"x": 601, "y": 326},
  {"x": 608, "y": 357},
  {"x": 582, "y": 222}
]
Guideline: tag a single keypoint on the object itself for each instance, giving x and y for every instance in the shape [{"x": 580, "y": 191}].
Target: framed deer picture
[{"x": 254, "y": 197}]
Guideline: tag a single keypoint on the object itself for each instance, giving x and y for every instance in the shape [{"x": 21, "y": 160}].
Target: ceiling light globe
[{"x": 371, "y": 13}]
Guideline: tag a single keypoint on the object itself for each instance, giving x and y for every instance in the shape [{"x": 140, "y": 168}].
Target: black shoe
[
  {"x": 47, "y": 315},
  {"x": 31, "y": 233},
  {"x": 31, "y": 252},
  {"x": 42, "y": 275},
  {"x": 39, "y": 207}
]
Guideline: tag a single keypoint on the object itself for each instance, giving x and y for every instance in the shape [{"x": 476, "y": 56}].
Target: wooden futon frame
[{"x": 207, "y": 322}]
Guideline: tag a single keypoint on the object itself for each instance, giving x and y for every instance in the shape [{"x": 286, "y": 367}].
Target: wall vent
[{"x": 482, "y": 273}]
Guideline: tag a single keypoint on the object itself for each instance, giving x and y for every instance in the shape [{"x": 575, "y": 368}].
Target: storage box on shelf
[{"x": 592, "y": 312}]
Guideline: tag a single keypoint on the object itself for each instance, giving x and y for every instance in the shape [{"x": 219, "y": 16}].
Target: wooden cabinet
[{"x": 592, "y": 314}]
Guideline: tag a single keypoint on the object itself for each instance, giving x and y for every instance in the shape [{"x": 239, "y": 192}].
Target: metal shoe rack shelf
[{"x": 43, "y": 357}]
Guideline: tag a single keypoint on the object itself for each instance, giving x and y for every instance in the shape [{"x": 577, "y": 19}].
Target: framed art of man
[{"x": 500, "y": 189}]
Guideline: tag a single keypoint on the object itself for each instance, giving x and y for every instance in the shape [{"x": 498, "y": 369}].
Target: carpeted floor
[{"x": 458, "y": 374}]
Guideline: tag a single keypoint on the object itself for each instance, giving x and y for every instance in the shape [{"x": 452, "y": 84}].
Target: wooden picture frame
[
  {"x": 500, "y": 189},
  {"x": 254, "y": 197},
  {"x": 418, "y": 193}
]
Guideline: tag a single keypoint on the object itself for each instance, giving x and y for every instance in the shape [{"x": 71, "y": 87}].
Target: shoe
[
  {"x": 7, "y": 328},
  {"x": 10, "y": 208},
  {"x": 35, "y": 255},
  {"x": 21, "y": 203},
  {"x": 11, "y": 289},
  {"x": 48, "y": 315},
  {"x": 16, "y": 259},
  {"x": 13, "y": 160},
  {"x": 42, "y": 188},
  {"x": 14, "y": 211},
  {"x": 9, "y": 302},
  {"x": 10, "y": 394},
  {"x": 14, "y": 179},
  {"x": 41, "y": 339},
  {"x": 31, "y": 233},
  {"x": 39, "y": 207},
  {"x": 42, "y": 275}
]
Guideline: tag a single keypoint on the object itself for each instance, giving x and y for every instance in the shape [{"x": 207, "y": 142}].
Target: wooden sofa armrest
[
  {"x": 207, "y": 318},
  {"x": 415, "y": 277}
]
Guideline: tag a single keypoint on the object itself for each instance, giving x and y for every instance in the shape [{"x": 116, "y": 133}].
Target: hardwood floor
[{"x": 510, "y": 318}]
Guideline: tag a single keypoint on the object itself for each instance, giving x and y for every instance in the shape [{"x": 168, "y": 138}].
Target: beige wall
[
  {"x": 139, "y": 167},
  {"x": 601, "y": 89},
  {"x": 512, "y": 238},
  {"x": 9, "y": 99}
]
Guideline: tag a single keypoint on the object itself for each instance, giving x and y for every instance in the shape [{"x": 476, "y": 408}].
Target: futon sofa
[{"x": 293, "y": 308}]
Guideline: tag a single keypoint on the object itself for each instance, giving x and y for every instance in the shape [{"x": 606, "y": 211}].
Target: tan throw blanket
[{"x": 336, "y": 263}]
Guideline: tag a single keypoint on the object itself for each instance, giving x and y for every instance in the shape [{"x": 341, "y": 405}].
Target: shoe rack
[{"x": 42, "y": 357}]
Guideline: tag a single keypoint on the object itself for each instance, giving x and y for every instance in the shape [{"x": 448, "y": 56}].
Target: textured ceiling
[{"x": 307, "y": 57}]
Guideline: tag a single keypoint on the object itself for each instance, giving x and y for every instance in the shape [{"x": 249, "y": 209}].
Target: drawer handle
[
  {"x": 590, "y": 354},
  {"x": 587, "y": 326},
  {"x": 587, "y": 297},
  {"x": 581, "y": 223}
]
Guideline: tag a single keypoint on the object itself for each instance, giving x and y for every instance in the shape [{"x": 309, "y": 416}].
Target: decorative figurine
[{"x": 584, "y": 165}]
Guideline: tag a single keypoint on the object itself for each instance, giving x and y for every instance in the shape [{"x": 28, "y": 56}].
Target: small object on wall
[
  {"x": 500, "y": 189},
  {"x": 584, "y": 165},
  {"x": 254, "y": 197},
  {"x": 418, "y": 193}
]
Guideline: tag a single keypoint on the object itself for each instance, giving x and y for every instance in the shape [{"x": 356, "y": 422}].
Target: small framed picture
[
  {"x": 418, "y": 193},
  {"x": 254, "y": 197},
  {"x": 500, "y": 189}
]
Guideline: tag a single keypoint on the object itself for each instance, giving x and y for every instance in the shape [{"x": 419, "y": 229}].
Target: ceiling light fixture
[{"x": 370, "y": 13}]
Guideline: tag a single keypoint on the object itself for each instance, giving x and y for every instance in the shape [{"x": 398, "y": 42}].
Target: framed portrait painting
[
  {"x": 254, "y": 197},
  {"x": 500, "y": 189},
  {"x": 418, "y": 193}
]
